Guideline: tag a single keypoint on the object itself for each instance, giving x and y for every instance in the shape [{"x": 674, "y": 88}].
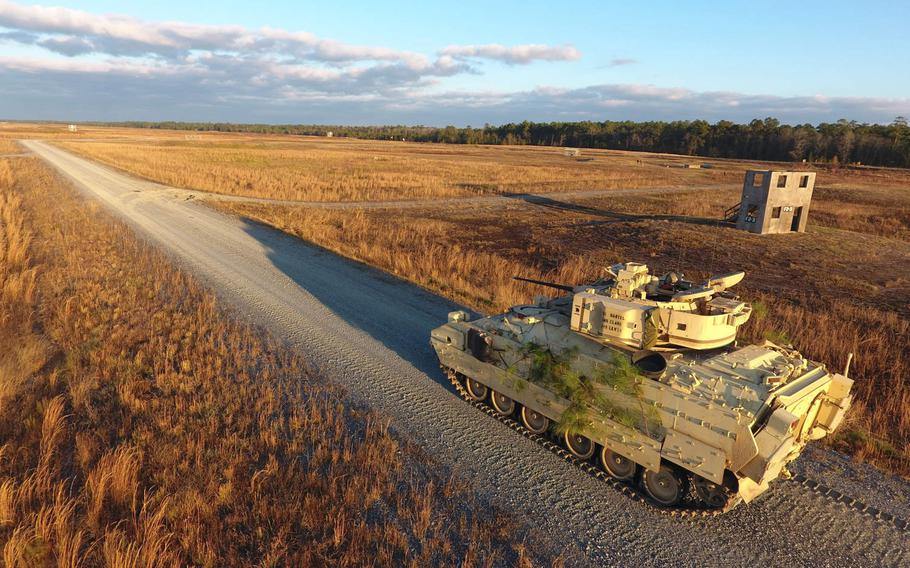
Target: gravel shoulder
[{"x": 370, "y": 332}]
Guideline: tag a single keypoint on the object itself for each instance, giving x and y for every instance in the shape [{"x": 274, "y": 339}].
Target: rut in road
[{"x": 370, "y": 332}]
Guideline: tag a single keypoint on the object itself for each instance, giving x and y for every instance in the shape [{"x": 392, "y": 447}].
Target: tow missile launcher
[{"x": 643, "y": 375}]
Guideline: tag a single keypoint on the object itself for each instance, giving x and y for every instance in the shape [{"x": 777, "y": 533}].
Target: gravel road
[{"x": 369, "y": 331}]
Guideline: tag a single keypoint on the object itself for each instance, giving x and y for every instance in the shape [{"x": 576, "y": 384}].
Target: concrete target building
[{"x": 773, "y": 202}]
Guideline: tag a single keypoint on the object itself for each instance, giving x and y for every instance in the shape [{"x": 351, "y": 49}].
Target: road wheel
[
  {"x": 710, "y": 493},
  {"x": 477, "y": 391},
  {"x": 503, "y": 404},
  {"x": 534, "y": 421},
  {"x": 666, "y": 486},
  {"x": 580, "y": 446},
  {"x": 619, "y": 467}
]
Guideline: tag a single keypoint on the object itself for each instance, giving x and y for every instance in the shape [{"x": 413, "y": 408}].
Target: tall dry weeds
[
  {"x": 152, "y": 430},
  {"x": 22, "y": 351},
  {"x": 9, "y": 147}
]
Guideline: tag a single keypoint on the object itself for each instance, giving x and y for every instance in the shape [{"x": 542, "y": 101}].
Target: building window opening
[
  {"x": 758, "y": 179},
  {"x": 775, "y": 213},
  {"x": 781, "y": 181},
  {"x": 804, "y": 181}
]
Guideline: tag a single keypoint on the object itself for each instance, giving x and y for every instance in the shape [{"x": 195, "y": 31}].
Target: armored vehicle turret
[{"x": 641, "y": 375}]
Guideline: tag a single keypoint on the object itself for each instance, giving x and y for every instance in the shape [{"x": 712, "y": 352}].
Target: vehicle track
[
  {"x": 369, "y": 331},
  {"x": 689, "y": 508}
]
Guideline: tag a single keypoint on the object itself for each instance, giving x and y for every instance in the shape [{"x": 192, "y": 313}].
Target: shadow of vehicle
[{"x": 394, "y": 312}]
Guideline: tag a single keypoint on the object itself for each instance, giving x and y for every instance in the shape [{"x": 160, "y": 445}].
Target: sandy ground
[{"x": 369, "y": 331}]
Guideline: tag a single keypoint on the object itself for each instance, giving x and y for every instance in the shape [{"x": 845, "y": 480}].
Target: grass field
[
  {"x": 314, "y": 169},
  {"x": 321, "y": 169},
  {"x": 339, "y": 169},
  {"x": 141, "y": 426},
  {"x": 9, "y": 147},
  {"x": 55, "y": 131}
]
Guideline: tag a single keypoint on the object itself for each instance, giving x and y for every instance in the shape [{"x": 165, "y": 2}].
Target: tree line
[{"x": 845, "y": 142}]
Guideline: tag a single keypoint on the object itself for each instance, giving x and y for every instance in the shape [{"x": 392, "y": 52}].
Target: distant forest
[{"x": 844, "y": 142}]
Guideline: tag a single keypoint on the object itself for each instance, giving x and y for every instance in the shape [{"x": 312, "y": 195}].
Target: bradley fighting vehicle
[{"x": 643, "y": 375}]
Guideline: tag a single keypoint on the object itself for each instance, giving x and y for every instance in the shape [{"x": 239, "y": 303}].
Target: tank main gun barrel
[{"x": 547, "y": 284}]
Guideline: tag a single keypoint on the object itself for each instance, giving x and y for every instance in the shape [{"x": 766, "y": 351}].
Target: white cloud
[
  {"x": 217, "y": 88},
  {"x": 88, "y": 68},
  {"x": 517, "y": 55},
  {"x": 172, "y": 35},
  {"x": 74, "y": 32},
  {"x": 269, "y": 58}
]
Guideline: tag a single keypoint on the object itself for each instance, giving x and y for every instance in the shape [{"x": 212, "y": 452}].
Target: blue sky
[{"x": 454, "y": 63}]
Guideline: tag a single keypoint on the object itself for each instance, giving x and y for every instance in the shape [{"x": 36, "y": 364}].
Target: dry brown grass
[
  {"x": 320, "y": 169},
  {"x": 314, "y": 169},
  {"x": 9, "y": 147},
  {"x": 881, "y": 210},
  {"x": 54, "y": 131},
  {"x": 151, "y": 430},
  {"x": 831, "y": 291}
]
